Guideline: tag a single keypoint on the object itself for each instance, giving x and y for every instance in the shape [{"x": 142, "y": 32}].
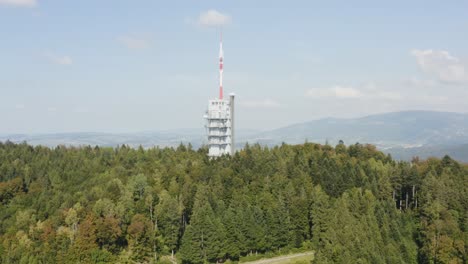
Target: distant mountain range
[
  {"x": 402, "y": 134},
  {"x": 167, "y": 138},
  {"x": 405, "y": 129},
  {"x": 458, "y": 152}
]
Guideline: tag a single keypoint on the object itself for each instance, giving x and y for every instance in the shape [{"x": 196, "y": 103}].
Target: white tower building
[{"x": 220, "y": 119}]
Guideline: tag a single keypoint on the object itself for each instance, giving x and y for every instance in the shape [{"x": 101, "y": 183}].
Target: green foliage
[
  {"x": 204, "y": 239},
  {"x": 168, "y": 214},
  {"x": 351, "y": 204}
]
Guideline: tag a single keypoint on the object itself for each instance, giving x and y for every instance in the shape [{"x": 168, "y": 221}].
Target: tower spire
[{"x": 221, "y": 55}]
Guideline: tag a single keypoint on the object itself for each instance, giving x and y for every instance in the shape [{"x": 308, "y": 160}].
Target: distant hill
[
  {"x": 146, "y": 139},
  {"x": 402, "y": 134},
  {"x": 403, "y": 129},
  {"x": 457, "y": 152},
  {"x": 162, "y": 138}
]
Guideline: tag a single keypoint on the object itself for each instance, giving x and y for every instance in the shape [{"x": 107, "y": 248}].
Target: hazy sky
[{"x": 122, "y": 66}]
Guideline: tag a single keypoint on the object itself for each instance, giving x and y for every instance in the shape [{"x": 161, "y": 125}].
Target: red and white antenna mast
[{"x": 221, "y": 55}]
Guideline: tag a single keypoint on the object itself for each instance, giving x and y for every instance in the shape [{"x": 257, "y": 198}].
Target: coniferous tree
[
  {"x": 168, "y": 214},
  {"x": 349, "y": 204},
  {"x": 205, "y": 236}
]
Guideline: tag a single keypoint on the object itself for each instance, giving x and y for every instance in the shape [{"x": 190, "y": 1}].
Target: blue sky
[{"x": 123, "y": 66}]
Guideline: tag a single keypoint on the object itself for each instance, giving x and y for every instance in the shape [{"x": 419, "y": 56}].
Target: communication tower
[{"x": 220, "y": 118}]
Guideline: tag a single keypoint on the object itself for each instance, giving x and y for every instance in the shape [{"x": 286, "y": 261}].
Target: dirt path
[{"x": 279, "y": 259}]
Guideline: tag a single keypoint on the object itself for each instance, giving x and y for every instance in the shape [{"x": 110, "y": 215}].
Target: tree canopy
[{"x": 351, "y": 204}]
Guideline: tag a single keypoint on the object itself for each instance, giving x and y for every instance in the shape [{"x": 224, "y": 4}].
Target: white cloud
[
  {"x": 386, "y": 95},
  {"x": 58, "y": 59},
  {"x": 19, "y": 3},
  {"x": 51, "y": 109},
  {"x": 346, "y": 92},
  {"x": 335, "y": 91},
  {"x": 440, "y": 63},
  {"x": 319, "y": 92},
  {"x": 416, "y": 82},
  {"x": 265, "y": 103},
  {"x": 80, "y": 110},
  {"x": 20, "y": 106},
  {"x": 135, "y": 43},
  {"x": 213, "y": 18}
]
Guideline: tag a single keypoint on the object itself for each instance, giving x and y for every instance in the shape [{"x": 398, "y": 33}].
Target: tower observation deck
[{"x": 220, "y": 119}]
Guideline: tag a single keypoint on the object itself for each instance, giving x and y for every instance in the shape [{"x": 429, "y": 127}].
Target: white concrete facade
[{"x": 219, "y": 126}]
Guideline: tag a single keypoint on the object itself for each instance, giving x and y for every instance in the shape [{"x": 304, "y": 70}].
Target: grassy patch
[
  {"x": 298, "y": 260},
  {"x": 278, "y": 259}
]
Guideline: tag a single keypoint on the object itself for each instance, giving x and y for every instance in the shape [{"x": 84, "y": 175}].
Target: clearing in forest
[{"x": 304, "y": 257}]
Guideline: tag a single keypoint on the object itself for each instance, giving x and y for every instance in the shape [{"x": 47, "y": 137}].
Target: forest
[{"x": 350, "y": 204}]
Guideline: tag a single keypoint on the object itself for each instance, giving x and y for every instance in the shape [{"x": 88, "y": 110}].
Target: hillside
[
  {"x": 458, "y": 152},
  {"x": 408, "y": 128},
  {"x": 402, "y": 134},
  {"x": 132, "y": 205},
  {"x": 162, "y": 138}
]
